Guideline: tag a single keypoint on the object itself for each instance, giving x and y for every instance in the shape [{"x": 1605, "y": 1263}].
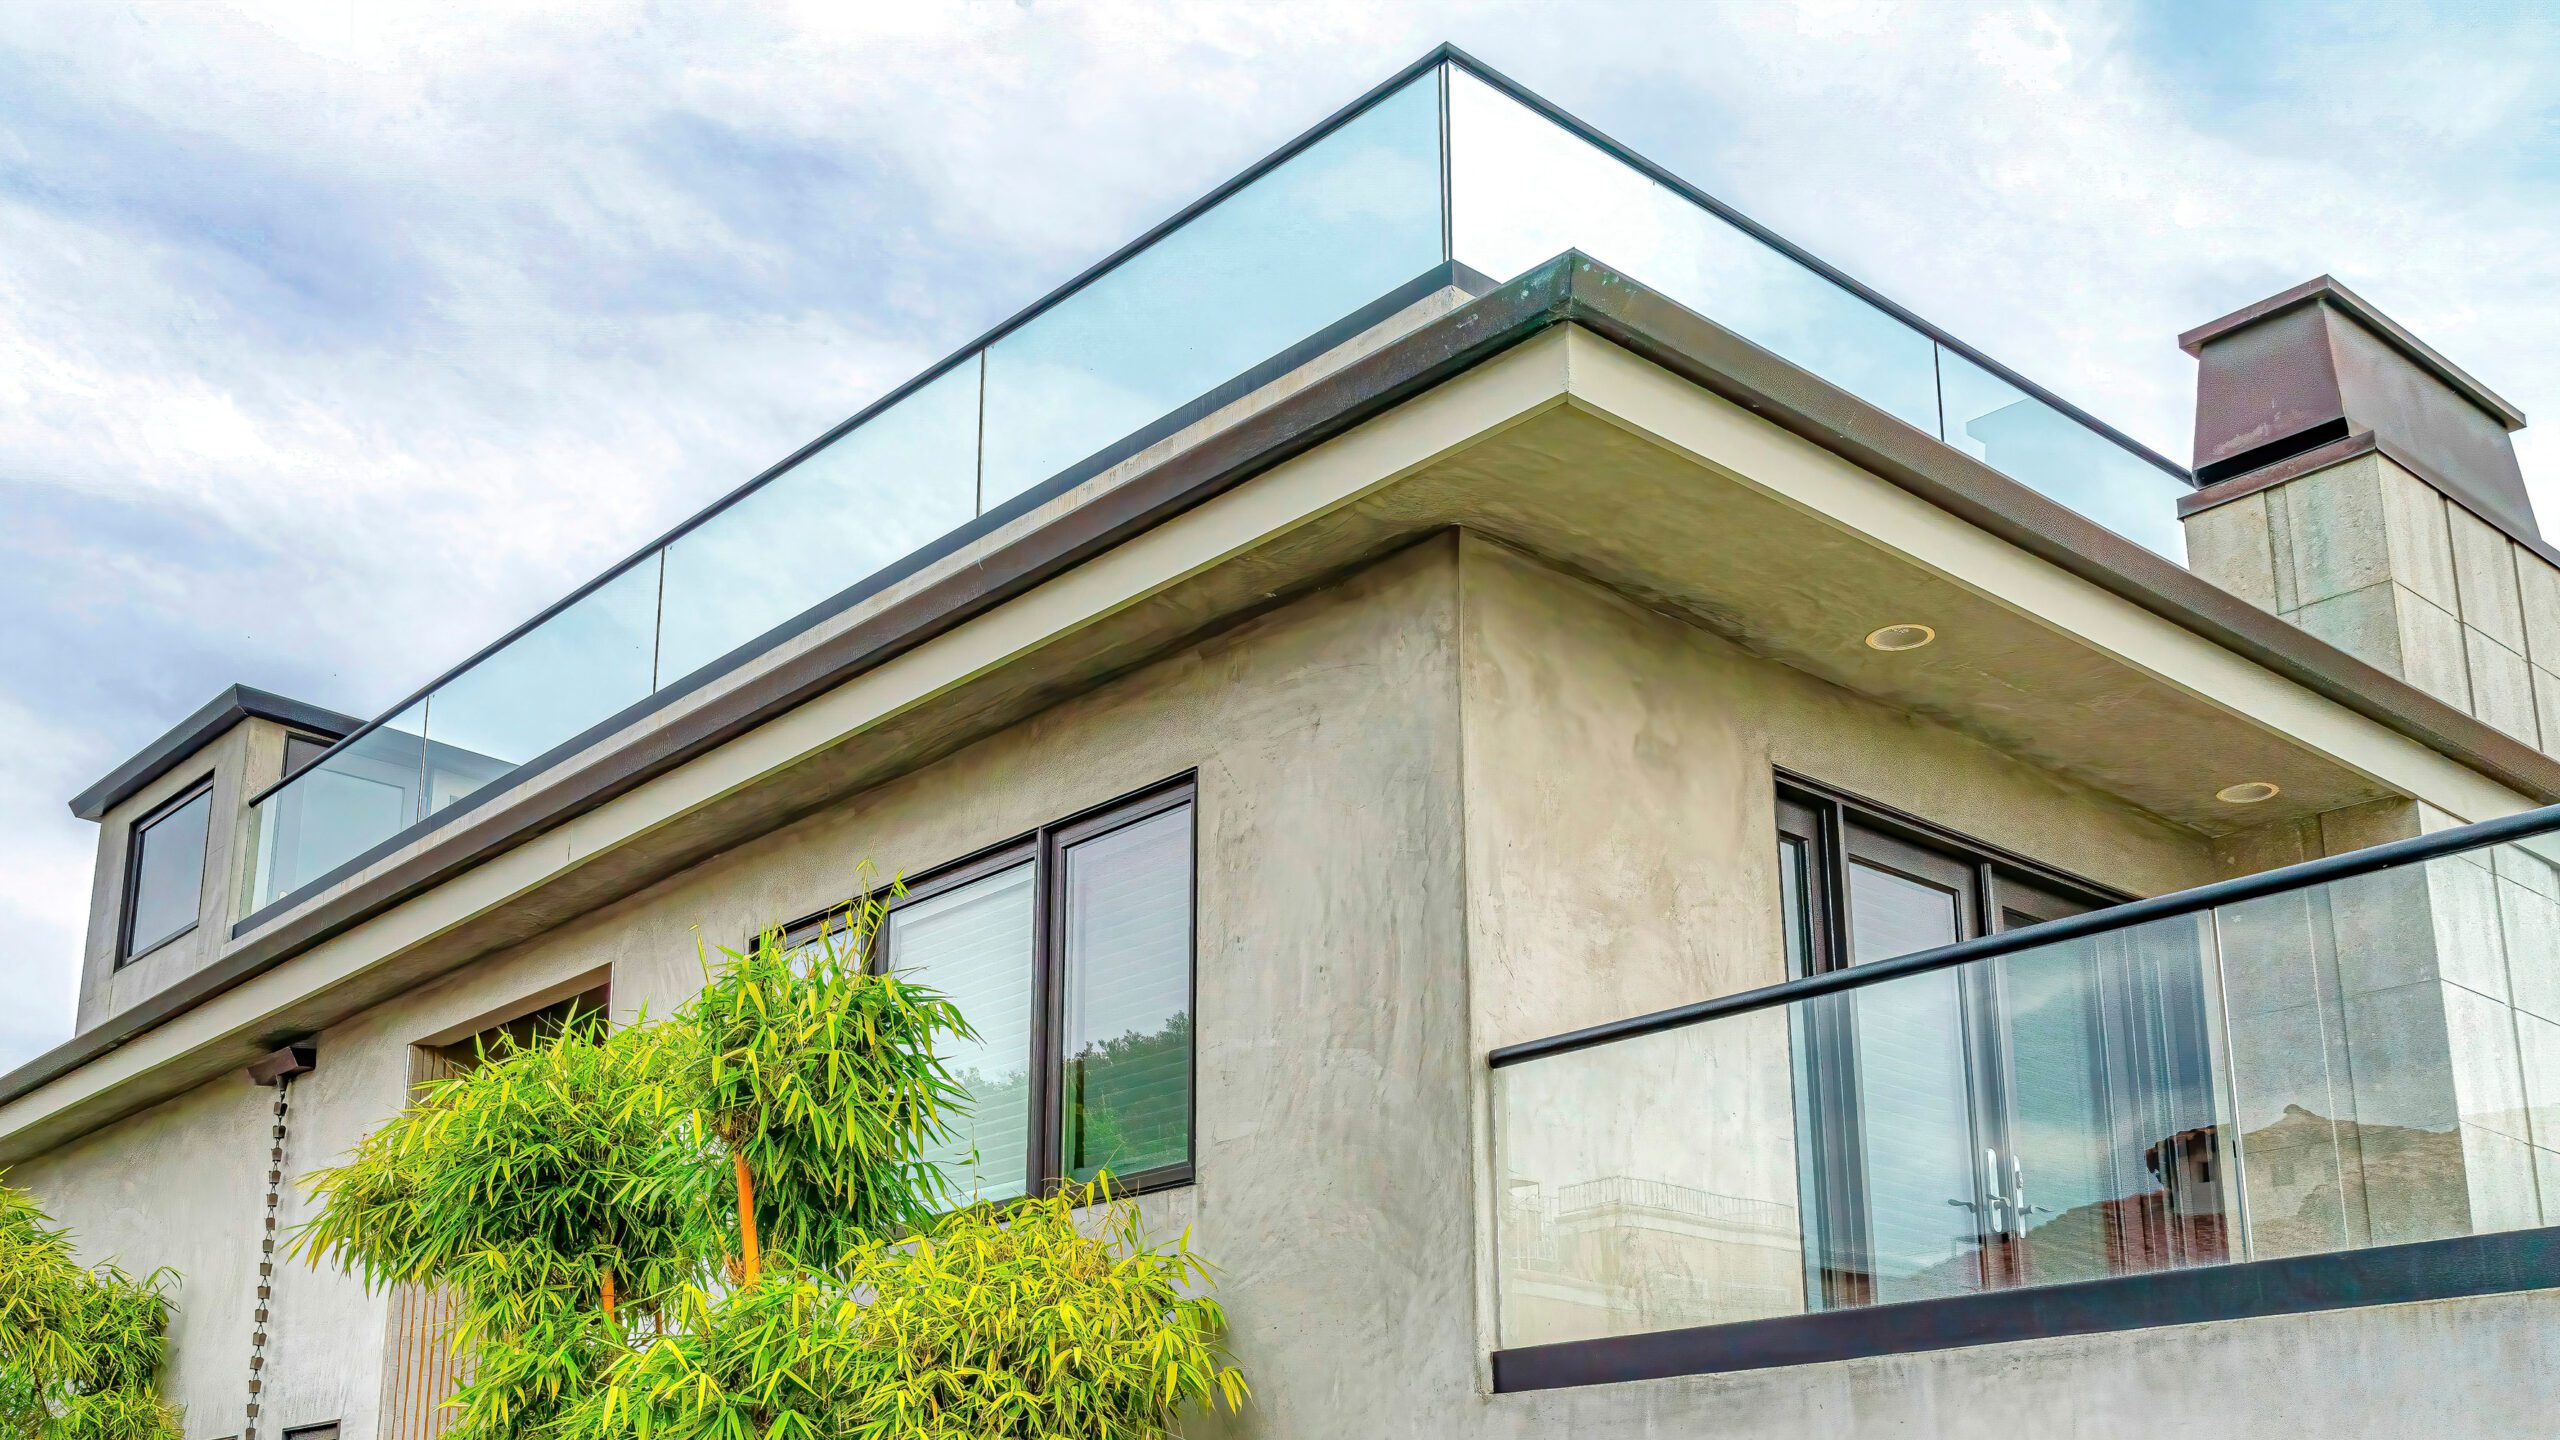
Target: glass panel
[
  {"x": 2030, "y": 441},
  {"x": 1649, "y": 1184},
  {"x": 1524, "y": 189},
  {"x": 2380, "y": 1050},
  {"x": 907, "y": 476},
  {"x": 1333, "y": 228},
  {"x": 973, "y": 944},
  {"x": 546, "y": 686},
  {"x": 2113, "y": 1164},
  {"x": 342, "y": 806},
  {"x": 1127, "y": 1043},
  {"x": 168, "y": 875},
  {"x": 1914, "y": 1122},
  {"x": 2352, "y": 1064}
]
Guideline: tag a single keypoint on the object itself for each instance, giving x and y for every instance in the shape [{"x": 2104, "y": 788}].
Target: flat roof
[
  {"x": 1571, "y": 290},
  {"x": 199, "y": 730}
]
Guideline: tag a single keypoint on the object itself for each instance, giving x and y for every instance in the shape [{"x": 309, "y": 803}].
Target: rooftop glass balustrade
[
  {"x": 2283, "y": 1066},
  {"x": 1445, "y": 163}
]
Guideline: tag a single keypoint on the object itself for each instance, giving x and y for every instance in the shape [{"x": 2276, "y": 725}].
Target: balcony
[
  {"x": 2293, "y": 1090},
  {"x": 1443, "y": 176}
]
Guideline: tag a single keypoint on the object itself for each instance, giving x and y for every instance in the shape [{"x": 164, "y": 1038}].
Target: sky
[{"x": 337, "y": 340}]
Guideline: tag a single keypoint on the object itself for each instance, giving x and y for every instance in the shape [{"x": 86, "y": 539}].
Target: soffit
[{"x": 1476, "y": 420}]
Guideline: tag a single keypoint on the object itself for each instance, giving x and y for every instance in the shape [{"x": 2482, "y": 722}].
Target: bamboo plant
[
  {"x": 80, "y": 1349},
  {"x": 546, "y": 1188},
  {"x": 724, "y": 1227},
  {"x": 818, "y": 1079}
]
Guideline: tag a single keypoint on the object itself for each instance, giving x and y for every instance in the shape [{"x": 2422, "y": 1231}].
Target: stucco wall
[
  {"x": 1452, "y": 754},
  {"x": 181, "y": 1185}
]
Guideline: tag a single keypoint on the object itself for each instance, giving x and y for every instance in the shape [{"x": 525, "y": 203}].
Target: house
[{"x": 1640, "y": 841}]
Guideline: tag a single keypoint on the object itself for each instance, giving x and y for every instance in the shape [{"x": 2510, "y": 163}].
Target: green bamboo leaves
[
  {"x": 528, "y": 1180},
  {"x": 80, "y": 1350},
  {"x": 1053, "y": 1319},
  {"x": 533, "y": 1185},
  {"x": 723, "y": 1227},
  {"x": 822, "y": 1078}
]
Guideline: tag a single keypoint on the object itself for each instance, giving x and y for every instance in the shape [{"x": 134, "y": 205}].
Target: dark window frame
[
  {"x": 1045, "y": 849},
  {"x": 201, "y": 788},
  {"x": 323, "y": 746},
  {"x": 1825, "y": 819},
  {"x": 1831, "y": 831}
]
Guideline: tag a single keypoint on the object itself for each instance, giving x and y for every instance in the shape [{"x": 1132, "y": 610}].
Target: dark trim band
[{"x": 2340, "y": 1280}]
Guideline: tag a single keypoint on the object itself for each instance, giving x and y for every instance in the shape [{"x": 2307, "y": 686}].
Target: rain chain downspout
[{"x": 278, "y": 1070}]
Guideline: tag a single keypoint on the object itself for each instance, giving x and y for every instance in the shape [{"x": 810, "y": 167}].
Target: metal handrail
[{"x": 2524, "y": 825}]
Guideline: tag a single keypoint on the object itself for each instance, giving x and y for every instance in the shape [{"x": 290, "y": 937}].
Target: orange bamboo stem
[
  {"x": 748, "y": 1258},
  {"x": 608, "y": 1293}
]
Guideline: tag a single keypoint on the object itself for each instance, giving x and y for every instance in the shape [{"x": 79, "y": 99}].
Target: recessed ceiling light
[
  {"x": 2248, "y": 792},
  {"x": 1900, "y": 637}
]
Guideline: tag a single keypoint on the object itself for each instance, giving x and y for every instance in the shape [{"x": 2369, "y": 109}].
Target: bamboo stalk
[
  {"x": 751, "y": 1265},
  {"x": 608, "y": 1294}
]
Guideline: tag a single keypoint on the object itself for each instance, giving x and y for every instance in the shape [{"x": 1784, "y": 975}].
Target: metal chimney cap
[{"x": 2325, "y": 289}]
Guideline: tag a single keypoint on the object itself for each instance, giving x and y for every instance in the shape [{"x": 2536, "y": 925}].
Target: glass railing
[
  {"x": 1442, "y": 164},
  {"x": 2308, "y": 1066}
]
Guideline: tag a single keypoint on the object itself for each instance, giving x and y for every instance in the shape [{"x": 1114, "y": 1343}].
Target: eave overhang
[{"x": 550, "y": 847}]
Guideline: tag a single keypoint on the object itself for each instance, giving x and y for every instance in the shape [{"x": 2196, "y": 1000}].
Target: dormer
[{"x": 171, "y": 821}]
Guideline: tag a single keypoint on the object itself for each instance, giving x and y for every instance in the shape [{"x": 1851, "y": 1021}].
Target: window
[
  {"x": 2028, "y": 1094},
  {"x": 164, "y": 872},
  {"x": 1070, "y": 952},
  {"x": 300, "y": 750}
]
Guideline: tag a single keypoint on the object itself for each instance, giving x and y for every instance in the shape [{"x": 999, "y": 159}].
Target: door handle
[
  {"x": 1991, "y": 1189},
  {"x": 2018, "y": 1205}
]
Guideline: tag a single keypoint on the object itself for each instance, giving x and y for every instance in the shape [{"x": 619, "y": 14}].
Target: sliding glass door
[{"x": 2041, "y": 1119}]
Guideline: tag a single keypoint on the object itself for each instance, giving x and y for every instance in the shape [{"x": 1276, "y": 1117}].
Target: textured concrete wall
[
  {"x": 1451, "y": 801},
  {"x": 181, "y": 1186}
]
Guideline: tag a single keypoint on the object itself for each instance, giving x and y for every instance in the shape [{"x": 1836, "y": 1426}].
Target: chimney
[
  {"x": 2364, "y": 487},
  {"x": 2316, "y": 366}
]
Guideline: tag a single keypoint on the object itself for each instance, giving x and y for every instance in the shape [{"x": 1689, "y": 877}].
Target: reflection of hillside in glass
[
  {"x": 2317, "y": 1184},
  {"x": 1129, "y": 1102},
  {"x": 2314, "y": 1185}
]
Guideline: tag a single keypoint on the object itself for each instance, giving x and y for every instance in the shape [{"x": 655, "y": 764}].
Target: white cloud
[{"x": 333, "y": 340}]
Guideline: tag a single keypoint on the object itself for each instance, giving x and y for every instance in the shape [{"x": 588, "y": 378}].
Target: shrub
[
  {"x": 558, "y": 1188},
  {"x": 1036, "y": 1323},
  {"x": 80, "y": 1350},
  {"x": 531, "y": 1183},
  {"x": 819, "y": 1079}
]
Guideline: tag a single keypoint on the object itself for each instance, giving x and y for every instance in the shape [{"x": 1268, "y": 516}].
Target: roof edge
[
  {"x": 238, "y": 703},
  {"x": 1571, "y": 289}
]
